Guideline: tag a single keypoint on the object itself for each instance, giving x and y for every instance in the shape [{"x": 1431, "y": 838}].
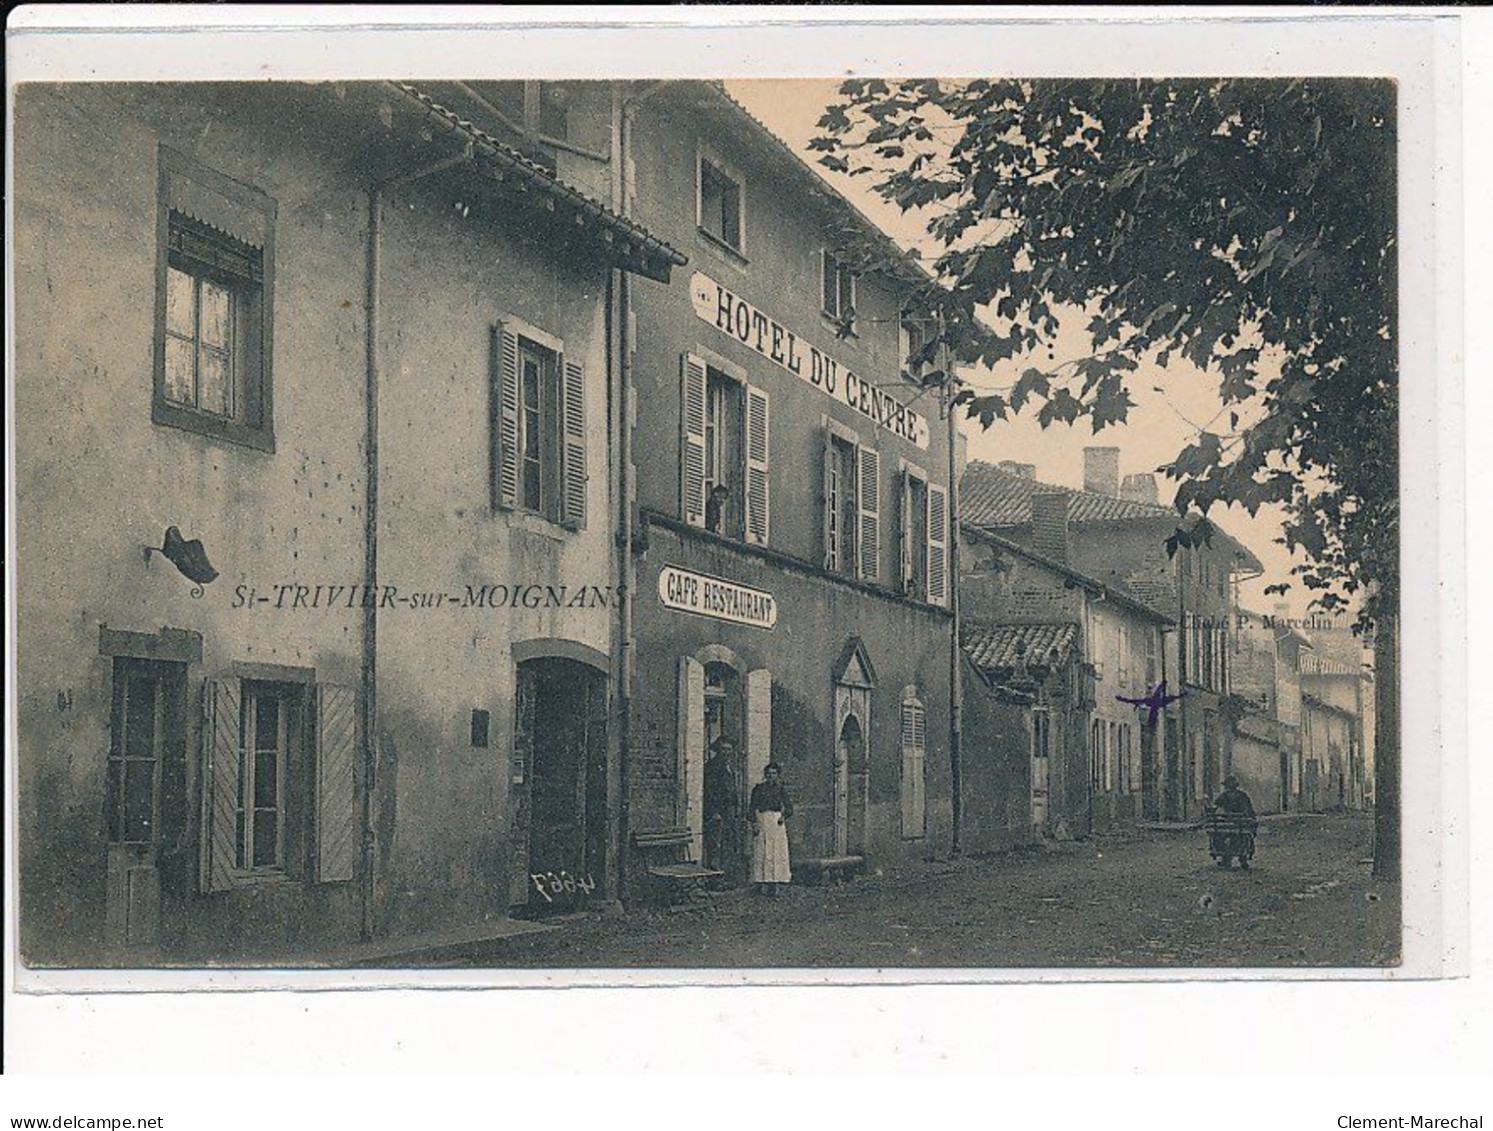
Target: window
[
  {"x": 279, "y": 784},
  {"x": 725, "y": 442},
  {"x": 264, "y": 756},
  {"x": 914, "y": 764},
  {"x": 146, "y": 763},
  {"x": 538, "y": 426},
  {"x": 837, "y": 284},
  {"x": 720, "y": 204},
  {"x": 916, "y": 338},
  {"x": 537, "y": 110},
  {"x": 212, "y": 358},
  {"x": 915, "y": 534}
]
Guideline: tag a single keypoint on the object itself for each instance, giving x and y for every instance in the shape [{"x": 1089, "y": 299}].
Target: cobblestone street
[{"x": 1144, "y": 899}]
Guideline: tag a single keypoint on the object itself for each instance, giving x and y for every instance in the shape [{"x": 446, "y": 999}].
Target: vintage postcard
[{"x": 890, "y": 525}]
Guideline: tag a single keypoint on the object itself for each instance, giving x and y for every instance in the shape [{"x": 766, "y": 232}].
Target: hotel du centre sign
[{"x": 733, "y": 315}]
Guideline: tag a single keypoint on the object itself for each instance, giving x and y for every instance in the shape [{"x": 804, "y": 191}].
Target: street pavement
[{"x": 1132, "y": 900}]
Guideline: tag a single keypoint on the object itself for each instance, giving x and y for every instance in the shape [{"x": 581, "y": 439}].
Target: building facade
[
  {"x": 790, "y": 557},
  {"x": 1119, "y": 537},
  {"x": 341, "y": 379}
]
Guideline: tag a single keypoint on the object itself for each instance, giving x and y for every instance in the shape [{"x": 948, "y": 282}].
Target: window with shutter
[
  {"x": 573, "y": 453},
  {"x": 218, "y": 843},
  {"x": 336, "y": 783},
  {"x": 692, "y": 399},
  {"x": 503, "y": 417},
  {"x": 938, "y": 549},
  {"x": 758, "y": 441},
  {"x": 842, "y": 525},
  {"x": 914, "y": 766},
  {"x": 914, "y": 533},
  {"x": 868, "y": 466}
]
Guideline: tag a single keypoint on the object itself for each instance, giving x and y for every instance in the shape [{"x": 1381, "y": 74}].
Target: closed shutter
[
  {"x": 573, "y": 444},
  {"x": 336, "y": 783},
  {"x": 757, "y": 445},
  {"x": 758, "y": 723},
  {"x": 868, "y": 470},
  {"x": 938, "y": 547},
  {"x": 692, "y": 752},
  {"x": 914, "y": 761},
  {"x": 503, "y": 414},
  {"x": 829, "y": 506},
  {"x": 218, "y": 844},
  {"x": 904, "y": 542},
  {"x": 692, "y": 440}
]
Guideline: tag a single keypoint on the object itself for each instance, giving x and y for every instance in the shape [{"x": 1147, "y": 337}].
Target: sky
[{"x": 1171, "y": 405}]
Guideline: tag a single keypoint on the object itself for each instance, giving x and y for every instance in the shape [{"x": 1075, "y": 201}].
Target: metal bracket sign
[
  {"x": 716, "y": 598},
  {"x": 731, "y": 314}
]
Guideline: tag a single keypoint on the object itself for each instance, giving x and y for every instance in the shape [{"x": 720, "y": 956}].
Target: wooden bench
[
  {"x": 670, "y": 862},
  {"x": 818, "y": 869}
]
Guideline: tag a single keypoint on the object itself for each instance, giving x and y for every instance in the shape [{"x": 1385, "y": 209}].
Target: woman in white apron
[{"x": 770, "y": 809}]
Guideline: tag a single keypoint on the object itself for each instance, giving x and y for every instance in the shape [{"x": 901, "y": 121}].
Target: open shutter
[
  {"x": 938, "y": 546},
  {"x": 692, "y": 751},
  {"x": 573, "y": 441},
  {"x": 914, "y": 759},
  {"x": 692, "y": 440},
  {"x": 829, "y": 508},
  {"x": 757, "y": 444},
  {"x": 218, "y": 844},
  {"x": 905, "y": 539},
  {"x": 336, "y": 783},
  {"x": 503, "y": 414},
  {"x": 868, "y": 470},
  {"x": 519, "y": 885},
  {"x": 758, "y": 724}
]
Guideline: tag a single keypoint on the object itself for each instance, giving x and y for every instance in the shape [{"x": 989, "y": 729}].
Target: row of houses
[
  {"x": 427, "y": 493},
  {"x": 1111, "y": 683}
]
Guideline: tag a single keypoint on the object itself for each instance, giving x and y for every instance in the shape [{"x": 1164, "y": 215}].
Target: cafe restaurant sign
[
  {"x": 754, "y": 329},
  {"x": 711, "y": 597}
]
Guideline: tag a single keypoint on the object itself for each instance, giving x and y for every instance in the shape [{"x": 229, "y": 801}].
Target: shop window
[
  {"x": 537, "y": 410},
  {"x": 213, "y": 309}
]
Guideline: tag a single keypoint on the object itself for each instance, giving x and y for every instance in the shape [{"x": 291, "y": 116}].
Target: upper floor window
[
  {"x": 838, "y": 289},
  {"x": 841, "y": 505},
  {"x": 537, "y": 410},
  {"x": 720, "y": 203},
  {"x": 725, "y": 450},
  {"x": 212, "y": 350},
  {"x": 916, "y": 338},
  {"x": 924, "y": 537},
  {"x": 725, "y": 456}
]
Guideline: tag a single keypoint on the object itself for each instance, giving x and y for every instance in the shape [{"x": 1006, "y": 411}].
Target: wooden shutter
[
  {"x": 218, "y": 842},
  {"x": 914, "y": 760},
  {"x": 519, "y": 765},
  {"x": 503, "y": 414},
  {"x": 828, "y": 506},
  {"x": 692, "y": 751},
  {"x": 904, "y": 543},
  {"x": 868, "y": 471},
  {"x": 692, "y": 440},
  {"x": 757, "y": 482},
  {"x": 573, "y": 444},
  {"x": 336, "y": 783},
  {"x": 758, "y": 724},
  {"x": 938, "y": 548}
]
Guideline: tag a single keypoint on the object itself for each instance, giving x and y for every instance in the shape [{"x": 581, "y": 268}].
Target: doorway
[
  {"x": 852, "y": 787},
  {"x": 723, "y": 804},
  {"x": 561, "y": 735},
  {"x": 1041, "y": 769}
]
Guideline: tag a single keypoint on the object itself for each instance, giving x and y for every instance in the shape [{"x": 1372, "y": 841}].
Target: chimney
[
  {"x": 1025, "y": 470},
  {"x": 1101, "y": 471},
  {"x": 1050, "y": 525},
  {"x": 1140, "y": 488}
]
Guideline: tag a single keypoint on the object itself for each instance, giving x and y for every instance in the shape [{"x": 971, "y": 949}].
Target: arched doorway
[
  {"x": 560, "y": 736},
  {"x": 852, "y": 788}
]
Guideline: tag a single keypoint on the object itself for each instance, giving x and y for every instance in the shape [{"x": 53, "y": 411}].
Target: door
[
  {"x": 1150, "y": 774},
  {"x": 723, "y": 781},
  {"x": 145, "y": 803},
  {"x": 852, "y": 781},
  {"x": 565, "y": 715}
]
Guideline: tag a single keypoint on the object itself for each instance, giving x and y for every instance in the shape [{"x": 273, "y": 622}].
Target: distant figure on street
[
  {"x": 1233, "y": 801},
  {"x": 770, "y": 809},
  {"x": 715, "y": 509}
]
